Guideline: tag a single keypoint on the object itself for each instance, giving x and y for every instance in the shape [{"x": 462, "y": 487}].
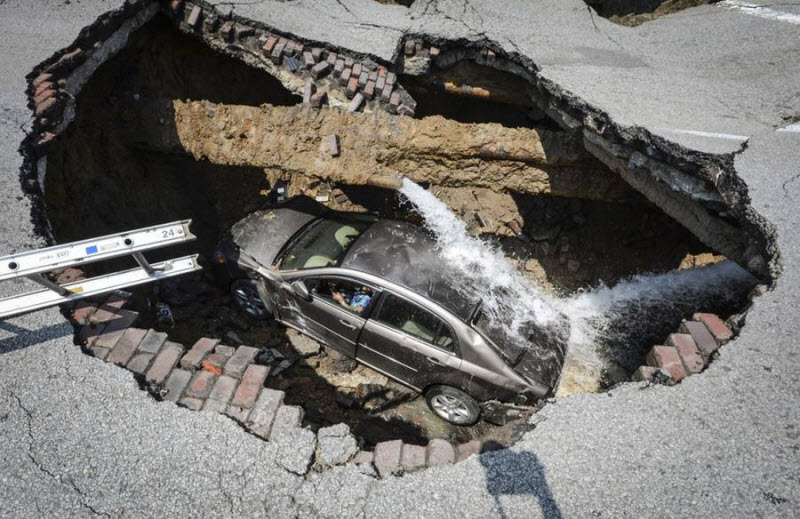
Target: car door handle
[
  {"x": 434, "y": 360},
  {"x": 347, "y": 324}
]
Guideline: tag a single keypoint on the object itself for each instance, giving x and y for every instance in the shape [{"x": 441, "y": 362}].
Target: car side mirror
[{"x": 301, "y": 290}]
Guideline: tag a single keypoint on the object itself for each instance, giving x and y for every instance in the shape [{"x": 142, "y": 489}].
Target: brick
[
  {"x": 348, "y": 62},
  {"x": 195, "y": 404},
  {"x": 226, "y": 31},
  {"x": 44, "y": 95},
  {"x": 176, "y": 5},
  {"x": 210, "y": 23},
  {"x": 41, "y": 78},
  {"x": 382, "y": 72},
  {"x": 263, "y": 414},
  {"x": 386, "y": 93},
  {"x": 308, "y": 59},
  {"x": 289, "y": 49},
  {"x": 269, "y": 44},
  {"x": 719, "y": 330},
  {"x": 47, "y": 85},
  {"x": 176, "y": 383},
  {"x": 332, "y": 58},
  {"x": 152, "y": 342},
  {"x": 363, "y": 78},
  {"x": 240, "y": 414},
  {"x": 413, "y": 457},
  {"x": 288, "y": 418},
  {"x": 140, "y": 362},
  {"x": 115, "y": 328},
  {"x": 100, "y": 353},
  {"x": 644, "y": 373},
  {"x": 320, "y": 70},
  {"x": 46, "y": 106},
  {"x": 702, "y": 337},
  {"x": 299, "y": 48},
  {"x": 201, "y": 384},
  {"x": 434, "y": 51},
  {"x": 394, "y": 101},
  {"x": 83, "y": 312},
  {"x": 194, "y": 16},
  {"x": 126, "y": 346},
  {"x": 690, "y": 356},
  {"x": 439, "y": 452},
  {"x": 465, "y": 450},
  {"x": 363, "y": 457},
  {"x": 372, "y": 76},
  {"x": 319, "y": 98},
  {"x": 409, "y": 48},
  {"x": 277, "y": 51},
  {"x": 225, "y": 351},
  {"x": 215, "y": 363},
  {"x": 338, "y": 67},
  {"x": 316, "y": 52},
  {"x": 387, "y": 457},
  {"x": 164, "y": 362},
  {"x": 391, "y": 77},
  {"x": 418, "y": 48},
  {"x": 201, "y": 348},
  {"x": 223, "y": 391},
  {"x": 214, "y": 406},
  {"x": 357, "y": 70},
  {"x": 344, "y": 77},
  {"x": 667, "y": 357},
  {"x": 380, "y": 83},
  {"x": 356, "y": 103},
  {"x": 352, "y": 87},
  {"x": 243, "y": 31},
  {"x": 308, "y": 91},
  {"x": 252, "y": 382},
  {"x": 238, "y": 363}
]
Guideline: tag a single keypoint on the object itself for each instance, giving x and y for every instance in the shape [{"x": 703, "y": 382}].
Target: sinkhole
[{"x": 172, "y": 128}]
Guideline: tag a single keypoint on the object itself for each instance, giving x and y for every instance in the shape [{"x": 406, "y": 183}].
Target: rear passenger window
[{"x": 415, "y": 321}]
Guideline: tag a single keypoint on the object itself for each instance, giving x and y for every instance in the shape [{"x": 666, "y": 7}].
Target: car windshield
[{"x": 325, "y": 242}]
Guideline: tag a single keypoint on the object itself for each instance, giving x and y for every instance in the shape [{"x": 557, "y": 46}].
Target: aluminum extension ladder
[{"x": 33, "y": 264}]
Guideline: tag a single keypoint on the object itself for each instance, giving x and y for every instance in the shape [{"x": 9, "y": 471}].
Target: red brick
[
  {"x": 164, "y": 362},
  {"x": 198, "y": 352},
  {"x": 308, "y": 59},
  {"x": 195, "y": 404},
  {"x": 41, "y": 78},
  {"x": 69, "y": 274},
  {"x": 465, "y": 450},
  {"x": 352, "y": 87},
  {"x": 114, "y": 329},
  {"x": 434, "y": 51},
  {"x": 356, "y": 70},
  {"x": 227, "y": 31},
  {"x": 690, "y": 356},
  {"x": 667, "y": 357},
  {"x": 194, "y": 17},
  {"x": 386, "y": 93},
  {"x": 373, "y": 76},
  {"x": 270, "y": 44},
  {"x": 716, "y": 326},
  {"x": 175, "y": 384},
  {"x": 331, "y": 58},
  {"x": 140, "y": 362},
  {"x": 83, "y": 312},
  {"x": 344, "y": 77},
  {"x": 380, "y": 83},
  {"x": 46, "y": 106},
  {"x": 252, "y": 382},
  {"x": 320, "y": 70},
  {"x": 363, "y": 78},
  {"x": 200, "y": 385},
  {"x": 126, "y": 346},
  {"x": 317, "y": 53},
  {"x": 175, "y": 5},
  {"x": 338, "y": 67},
  {"x": 394, "y": 101},
  {"x": 47, "y": 85},
  {"x": 644, "y": 374},
  {"x": 44, "y": 95},
  {"x": 369, "y": 90},
  {"x": 702, "y": 337},
  {"x": 214, "y": 363},
  {"x": 223, "y": 389},
  {"x": 391, "y": 77},
  {"x": 238, "y": 363}
]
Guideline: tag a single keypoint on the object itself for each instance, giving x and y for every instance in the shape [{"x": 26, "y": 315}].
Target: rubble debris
[{"x": 335, "y": 445}]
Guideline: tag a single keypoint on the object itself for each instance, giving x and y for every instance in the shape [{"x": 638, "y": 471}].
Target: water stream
[{"x": 608, "y": 325}]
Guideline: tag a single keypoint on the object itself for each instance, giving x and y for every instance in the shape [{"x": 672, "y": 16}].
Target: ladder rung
[
  {"x": 96, "y": 249},
  {"x": 97, "y": 285}
]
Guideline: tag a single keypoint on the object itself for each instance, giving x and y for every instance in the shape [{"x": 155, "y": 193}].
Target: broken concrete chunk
[
  {"x": 304, "y": 345},
  {"x": 194, "y": 16},
  {"x": 335, "y": 445},
  {"x": 413, "y": 457},
  {"x": 319, "y": 98},
  {"x": 263, "y": 414},
  {"x": 439, "y": 452},
  {"x": 355, "y": 104},
  {"x": 288, "y": 418},
  {"x": 308, "y": 90}
]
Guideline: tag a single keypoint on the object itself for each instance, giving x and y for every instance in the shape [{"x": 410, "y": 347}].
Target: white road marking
[
  {"x": 794, "y": 128},
  {"x": 763, "y": 12},
  {"x": 726, "y": 136}
]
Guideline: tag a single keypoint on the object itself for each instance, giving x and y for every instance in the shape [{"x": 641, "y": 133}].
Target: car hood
[{"x": 263, "y": 234}]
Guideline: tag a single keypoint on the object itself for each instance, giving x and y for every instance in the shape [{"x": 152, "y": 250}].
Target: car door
[
  {"x": 322, "y": 316},
  {"x": 408, "y": 342}
]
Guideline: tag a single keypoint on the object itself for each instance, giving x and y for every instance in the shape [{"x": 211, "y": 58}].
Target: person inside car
[{"x": 356, "y": 300}]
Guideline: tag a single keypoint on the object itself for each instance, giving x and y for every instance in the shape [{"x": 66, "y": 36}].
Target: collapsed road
[{"x": 537, "y": 476}]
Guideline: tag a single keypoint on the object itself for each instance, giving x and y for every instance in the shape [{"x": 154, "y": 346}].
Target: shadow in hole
[
  {"x": 24, "y": 337},
  {"x": 510, "y": 473}
]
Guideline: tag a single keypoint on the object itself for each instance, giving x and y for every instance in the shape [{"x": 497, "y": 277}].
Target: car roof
[{"x": 407, "y": 255}]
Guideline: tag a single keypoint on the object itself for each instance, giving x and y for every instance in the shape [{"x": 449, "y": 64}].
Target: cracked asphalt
[{"x": 79, "y": 438}]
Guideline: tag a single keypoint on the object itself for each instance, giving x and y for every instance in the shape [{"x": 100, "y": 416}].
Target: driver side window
[{"x": 350, "y": 295}]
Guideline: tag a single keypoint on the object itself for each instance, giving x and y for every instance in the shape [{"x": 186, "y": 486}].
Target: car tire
[
  {"x": 453, "y": 405},
  {"x": 246, "y": 299}
]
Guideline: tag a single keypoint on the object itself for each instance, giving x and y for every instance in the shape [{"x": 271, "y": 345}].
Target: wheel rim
[
  {"x": 451, "y": 408},
  {"x": 248, "y": 301}
]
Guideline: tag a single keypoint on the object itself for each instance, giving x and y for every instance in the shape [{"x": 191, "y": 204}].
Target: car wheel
[
  {"x": 453, "y": 405},
  {"x": 246, "y": 298}
]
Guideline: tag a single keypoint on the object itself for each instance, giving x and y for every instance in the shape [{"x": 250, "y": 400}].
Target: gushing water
[{"x": 605, "y": 323}]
